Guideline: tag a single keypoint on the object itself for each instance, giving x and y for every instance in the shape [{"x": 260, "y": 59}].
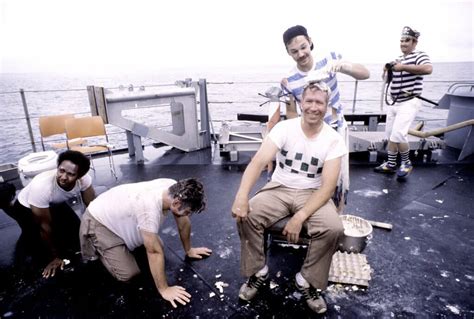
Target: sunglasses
[
  {"x": 320, "y": 86},
  {"x": 405, "y": 40}
]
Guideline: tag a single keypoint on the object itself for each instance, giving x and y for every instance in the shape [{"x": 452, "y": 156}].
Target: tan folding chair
[
  {"x": 90, "y": 126},
  {"x": 55, "y": 125}
]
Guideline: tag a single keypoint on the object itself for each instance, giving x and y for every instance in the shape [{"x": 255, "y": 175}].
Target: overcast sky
[{"x": 100, "y": 35}]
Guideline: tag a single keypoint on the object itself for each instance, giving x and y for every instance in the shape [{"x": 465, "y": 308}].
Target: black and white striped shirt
[{"x": 405, "y": 85}]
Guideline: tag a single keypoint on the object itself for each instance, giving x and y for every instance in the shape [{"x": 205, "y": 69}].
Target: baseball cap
[{"x": 293, "y": 32}]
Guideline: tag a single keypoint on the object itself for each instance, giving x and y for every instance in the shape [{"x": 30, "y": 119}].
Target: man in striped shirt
[
  {"x": 324, "y": 65},
  {"x": 406, "y": 84}
]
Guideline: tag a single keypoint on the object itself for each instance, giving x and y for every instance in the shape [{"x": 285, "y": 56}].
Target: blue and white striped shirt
[
  {"x": 296, "y": 84},
  {"x": 406, "y": 85}
]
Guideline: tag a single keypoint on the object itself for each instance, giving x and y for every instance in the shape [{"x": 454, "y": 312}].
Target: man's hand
[
  {"x": 398, "y": 67},
  {"x": 292, "y": 229},
  {"x": 175, "y": 293},
  {"x": 198, "y": 252},
  {"x": 240, "y": 208},
  {"x": 50, "y": 269},
  {"x": 341, "y": 66}
]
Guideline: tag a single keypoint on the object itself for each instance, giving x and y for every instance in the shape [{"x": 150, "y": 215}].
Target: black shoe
[
  {"x": 385, "y": 168},
  {"x": 314, "y": 299},
  {"x": 249, "y": 289}
]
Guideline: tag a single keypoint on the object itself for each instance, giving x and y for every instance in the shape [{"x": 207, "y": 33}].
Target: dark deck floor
[{"x": 422, "y": 268}]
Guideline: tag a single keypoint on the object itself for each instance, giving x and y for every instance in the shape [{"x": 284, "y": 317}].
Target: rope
[{"x": 441, "y": 130}]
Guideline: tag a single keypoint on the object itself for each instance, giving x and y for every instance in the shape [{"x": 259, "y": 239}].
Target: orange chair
[
  {"x": 90, "y": 126},
  {"x": 55, "y": 125}
]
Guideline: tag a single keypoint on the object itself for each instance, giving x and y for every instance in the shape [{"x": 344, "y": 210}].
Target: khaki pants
[
  {"x": 97, "y": 241},
  {"x": 272, "y": 203}
]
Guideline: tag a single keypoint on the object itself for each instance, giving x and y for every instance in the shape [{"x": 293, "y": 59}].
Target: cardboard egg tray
[{"x": 350, "y": 268}]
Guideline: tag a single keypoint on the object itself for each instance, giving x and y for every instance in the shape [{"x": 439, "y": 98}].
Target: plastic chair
[
  {"x": 55, "y": 125},
  {"x": 90, "y": 126}
]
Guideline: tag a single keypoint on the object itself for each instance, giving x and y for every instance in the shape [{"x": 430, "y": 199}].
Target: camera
[{"x": 390, "y": 65}]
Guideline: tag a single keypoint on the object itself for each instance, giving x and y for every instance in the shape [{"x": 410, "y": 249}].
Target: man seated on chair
[
  {"x": 49, "y": 208},
  {"x": 130, "y": 215},
  {"x": 308, "y": 153}
]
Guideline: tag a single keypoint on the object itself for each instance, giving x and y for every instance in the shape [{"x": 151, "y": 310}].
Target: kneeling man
[
  {"x": 130, "y": 215},
  {"x": 49, "y": 208}
]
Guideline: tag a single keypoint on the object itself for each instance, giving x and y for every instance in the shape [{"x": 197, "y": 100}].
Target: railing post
[
  {"x": 28, "y": 121},
  {"x": 355, "y": 96},
  {"x": 205, "y": 133}
]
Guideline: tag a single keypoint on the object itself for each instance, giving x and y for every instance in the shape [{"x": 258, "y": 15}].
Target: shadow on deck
[{"x": 422, "y": 268}]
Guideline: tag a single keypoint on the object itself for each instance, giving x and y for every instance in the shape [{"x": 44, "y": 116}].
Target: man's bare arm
[
  {"x": 88, "y": 195},
  {"x": 156, "y": 262},
  {"x": 184, "y": 229},
  {"x": 43, "y": 218},
  {"x": 423, "y": 69},
  {"x": 356, "y": 70},
  {"x": 264, "y": 155},
  {"x": 291, "y": 111}
]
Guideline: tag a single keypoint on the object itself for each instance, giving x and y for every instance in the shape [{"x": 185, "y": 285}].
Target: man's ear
[
  {"x": 175, "y": 203},
  {"x": 311, "y": 44}
]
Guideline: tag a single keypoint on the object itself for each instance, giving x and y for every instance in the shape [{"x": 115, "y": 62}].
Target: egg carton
[{"x": 350, "y": 268}]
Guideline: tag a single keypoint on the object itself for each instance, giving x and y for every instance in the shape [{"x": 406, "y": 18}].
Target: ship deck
[{"x": 421, "y": 268}]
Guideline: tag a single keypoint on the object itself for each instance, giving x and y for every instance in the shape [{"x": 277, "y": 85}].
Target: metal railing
[{"x": 226, "y": 99}]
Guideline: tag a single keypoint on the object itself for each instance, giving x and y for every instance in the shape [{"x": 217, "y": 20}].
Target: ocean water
[{"x": 230, "y": 91}]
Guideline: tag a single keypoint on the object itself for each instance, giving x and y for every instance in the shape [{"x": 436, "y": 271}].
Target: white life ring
[{"x": 35, "y": 163}]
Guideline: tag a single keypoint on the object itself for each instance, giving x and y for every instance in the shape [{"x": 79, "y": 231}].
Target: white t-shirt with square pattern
[{"x": 300, "y": 160}]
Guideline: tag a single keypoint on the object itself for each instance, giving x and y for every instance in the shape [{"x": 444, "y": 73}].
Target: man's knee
[
  {"x": 398, "y": 137},
  {"x": 336, "y": 227},
  {"x": 126, "y": 276},
  {"x": 333, "y": 231},
  {"x": 330, "y": 225},
  {"x": 255, "y": 207},
  {"x": 337, "y": 231},
  {"x": 243, "y": 224}
]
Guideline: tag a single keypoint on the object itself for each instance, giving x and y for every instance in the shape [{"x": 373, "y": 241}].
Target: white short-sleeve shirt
[
  {"x": 126, "y": 209},
  {"x": 300, "y": 159},
  {"x": 44, "y": 190}
]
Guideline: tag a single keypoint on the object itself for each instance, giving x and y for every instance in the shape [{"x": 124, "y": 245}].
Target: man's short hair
[
  {"x": 190, "y": 193},
  {"x": 293, "y": 32},
  {"x": 317, "y": 86},
  {"x": 82, "y": 161}
]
